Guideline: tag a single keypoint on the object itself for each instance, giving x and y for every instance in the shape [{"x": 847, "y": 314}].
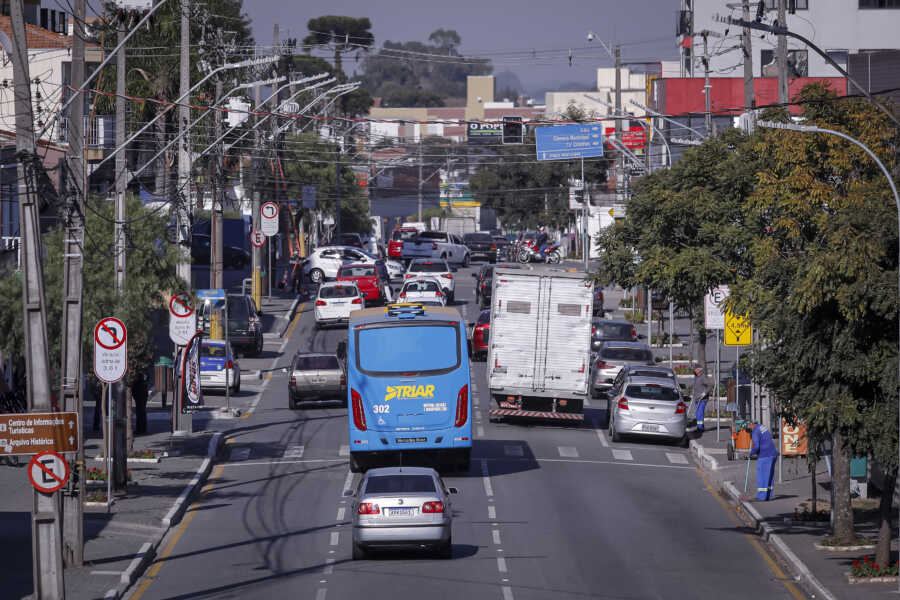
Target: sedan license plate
[
  {"x": 405, "y": 511},
  {"x": 650, "y": 428}
]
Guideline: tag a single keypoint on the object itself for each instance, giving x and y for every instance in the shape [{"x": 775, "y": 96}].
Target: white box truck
[{"x": 540, "y": 344}]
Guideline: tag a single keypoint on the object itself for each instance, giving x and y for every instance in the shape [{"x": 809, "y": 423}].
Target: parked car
[
  {"x": 502, "y": 246},
  {"x": 422, "y": 289},
  {"x": 481, "y": 330},
  {"x": 323, "y": 263},
  {"x": 395, "y": 269},
  {"x": 657, "y": 371},
  {"x": 335, "y": 301},
  {"x": 232, "y": 256},
  {"x": 366, "y": 279},
  {"x": 484, "y": 279},
  {"x": 349, "y": 239},
  {"x": 611, "y": 357},
  {"x": 647, "y": 406},
  {"x": 218, "y": 368},
  {"x": 402, "y": 507},
  {"x": 481, "y": 245},
  {"x": 437, "y": 244},
  {"x": 398, "y": 236},
  {"x": 244, "y": 326},
  {"x": 316, "y": 377},
  {"x": 604, "y": 330},
  {"x": 439, "y": 269}
]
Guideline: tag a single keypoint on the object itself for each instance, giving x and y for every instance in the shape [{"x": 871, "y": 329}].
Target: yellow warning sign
[{"x": 738, "y": 331}]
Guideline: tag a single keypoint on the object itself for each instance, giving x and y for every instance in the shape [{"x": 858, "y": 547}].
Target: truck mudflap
[{"x": 499, "y": 413}]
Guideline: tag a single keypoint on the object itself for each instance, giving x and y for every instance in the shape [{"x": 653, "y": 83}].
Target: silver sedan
[
  {"x": 402, "y": 507},
  {"x": 647, "y": 406}
]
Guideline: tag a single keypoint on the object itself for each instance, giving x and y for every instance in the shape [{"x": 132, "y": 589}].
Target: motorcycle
[{"x": 528, "y": 252}]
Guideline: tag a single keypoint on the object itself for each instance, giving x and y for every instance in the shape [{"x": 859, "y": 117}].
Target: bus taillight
[
  {"x": 462, "y": 406},
  {"x": 359, "y": 416}
]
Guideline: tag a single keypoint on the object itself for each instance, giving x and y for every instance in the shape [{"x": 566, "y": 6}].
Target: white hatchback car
[
  {"x": 324, "y": 262},
  {"x": 335, "y": 301},
  {"x": 436, "y": 268},
  {"x": 422, "y": 289}
]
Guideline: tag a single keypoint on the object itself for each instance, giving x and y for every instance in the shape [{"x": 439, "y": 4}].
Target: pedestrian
[
  {"x": 139, "y": 392},
  {"x": 763, "y": 446},
  {"x": 699, "y": 396}
]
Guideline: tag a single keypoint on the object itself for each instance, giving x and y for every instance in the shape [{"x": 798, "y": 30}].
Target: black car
[
  {"x": 604, "y": 330},
  {"x": 502, "y": 246},
  {"x": 244, "y": 325},
  {"x": 481, "y": 245},
  {"x": 484, "y": 281},
  {"x": 232, "y": 256}
]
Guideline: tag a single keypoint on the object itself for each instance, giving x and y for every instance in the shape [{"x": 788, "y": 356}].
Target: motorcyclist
[{"x": 542, "y": 241}]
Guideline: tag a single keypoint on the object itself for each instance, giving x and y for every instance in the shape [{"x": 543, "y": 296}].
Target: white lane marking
[
  {"x": 492, "y": 512},
  {"x": 344, "y": 451},
  {"x": 474, "y": 389},
  {"x": 513, "y": 450},
  {"x": 622, "y": 455},
  {"x": 348, "y": 481},
  {"x": 335, "y": 538},
  {"x": 480, "y": 431},
  {"x": 507, "y": 593},
  {"x": 587, "y": 402},
  {"x": 294, "y": 452},
  {"x": 341, "y": 512},
  {"x": 321, "y": 592},
  {"x": 329, "y": 566},
  {"x": 501, "y": 564},
  {"x": 600, "y": 434},
  {"x": 284, "y": 462},
  {"x": 568, "y": 451},
  {"x": 496, "y": 535},
  {"x": 679, "y": 459},
  {"x": 486, "y": 478},
  {"x": 239, "y": 454}
]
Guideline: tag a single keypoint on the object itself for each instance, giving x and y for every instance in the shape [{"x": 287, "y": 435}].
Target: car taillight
[
  {"x": 593, "y": 330},
  {"x": 462, "y": 406},
  {"x": 408, "y": 275},
  {"x": 402, "y": 295},
  {"x": 601, "y": 364},
  {"x": 368, "y": 508},
  {"x": 633, "y": 334},
  {"x": 493, "y": 246},
  {"x": 321, "y": 303},
  {"x": 433, "y": 507},
  {"x": 439, "y": 294},
  {"x": 680, "y": 408},
  {"x": 359, "y": 416},
  {"x": 229, "y": 365},
  {"x": 293, "y": 381},
  {"x": 446, "y": 275},
  {"x": 356, "y": 301},
  {"x": 483, "y": 284},
  {"x": 623, "y": 403}
]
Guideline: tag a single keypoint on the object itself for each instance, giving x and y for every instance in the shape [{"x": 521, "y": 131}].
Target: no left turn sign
[
  {"x": 110, "y": 349},
  {"x": 48, "y": 472},
  {"x": 269, "y": 210},
  {"x": 181, "y": 305},
  {"x": 269, "y": 221}
]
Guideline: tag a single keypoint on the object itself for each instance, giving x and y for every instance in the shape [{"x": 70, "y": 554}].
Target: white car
[
  {"x": 437, "y": 268},
  {"x": 218, "y": 367},
  {"x": 437, "y": 244},
  {"x": 335, "y": 301},
  {"x": 422, "y": 289},
  {"x": 325, "y": 262},
  {"x": 395, "y": 269}
]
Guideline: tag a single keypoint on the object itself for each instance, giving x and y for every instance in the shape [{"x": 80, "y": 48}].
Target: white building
[
  {"x": 839, "y": 27},
  {"x": 594, "y": 103}
]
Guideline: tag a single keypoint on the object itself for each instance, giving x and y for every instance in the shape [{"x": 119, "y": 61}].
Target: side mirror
[
  {"x": 453, "y": 490},
  {"x": 349, "y": 493},
  {"x": 454, "y": 269}
]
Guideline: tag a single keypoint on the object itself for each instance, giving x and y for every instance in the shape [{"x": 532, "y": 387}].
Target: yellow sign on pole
[{"x": 738, "y": 331}]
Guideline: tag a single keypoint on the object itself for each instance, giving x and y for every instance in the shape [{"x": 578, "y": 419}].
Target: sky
[{"x": 531, "y": 39}]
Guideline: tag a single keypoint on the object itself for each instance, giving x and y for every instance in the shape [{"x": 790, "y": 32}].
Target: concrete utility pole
[
  {"x": 621, "y": 187},
  {"x": 71, "y": 326},
  {"x": 46, "y": 530},
  {"x": 119, "y": 433},
  {"x": 256, "y": 253},
  {"x": 706, "y": 85},
  {"x": 781, "y": 51},
  {"x": 216, "y": 180},
  {"x": 421, "y": 183},
  {"x": 747, "y": 47},
  {"x": 337, "y": 213},
  {"x": 184, "y": 161}
]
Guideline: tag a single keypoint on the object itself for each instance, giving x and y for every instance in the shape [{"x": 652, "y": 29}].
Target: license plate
[
  {"x": 339, "y": 302},
  {"x": 406, "y": 511},
  {"x": 648, "y": 427}
]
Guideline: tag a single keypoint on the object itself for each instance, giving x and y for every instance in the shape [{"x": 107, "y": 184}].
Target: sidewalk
[
  {"x": 122, "y": 539},
  {"x": 822, "y": 573}
]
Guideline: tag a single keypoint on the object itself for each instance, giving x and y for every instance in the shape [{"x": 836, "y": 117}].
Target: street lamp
[
  {"x": 643, "y": 124},
  {"x": 887, "y": 174}
]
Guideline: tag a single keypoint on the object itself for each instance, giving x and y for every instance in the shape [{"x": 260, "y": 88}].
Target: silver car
[
  {"x": 434, "y": 267},
  {"x": 316, "y": 377},
  {"x": 402, "y": 507},
  {"x": 609, "y": 360},
  {"x": 325, "y": 262},
  {"x": 647, "y": 406}
]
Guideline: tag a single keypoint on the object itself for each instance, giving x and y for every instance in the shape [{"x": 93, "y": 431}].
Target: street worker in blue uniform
[
  {"x": 700, "y": 396},
  {"x": 763, "y": 446}
]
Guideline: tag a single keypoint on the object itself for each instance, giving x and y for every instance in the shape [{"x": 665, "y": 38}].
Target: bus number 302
[{"x": 381, "y": 408}]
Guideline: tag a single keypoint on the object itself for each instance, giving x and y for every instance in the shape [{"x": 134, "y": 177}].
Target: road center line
[
  {"x": 480, "y": 431},
  {"x": 501, "y": 564},
  {"x": 486, "y": 479},
  {"x": 329, "y": 566},
  {"x": 341, "y": 512},
  {"x": 492, "y": 512},
  {"x": 507, "y": 593},
  {"x": 335, "y": 538},
  {"x": 320, "y": 593},
  {"x": 496, "y": 535}
]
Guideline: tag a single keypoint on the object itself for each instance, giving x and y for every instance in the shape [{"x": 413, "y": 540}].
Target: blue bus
[{"x": 408, "y": 399}]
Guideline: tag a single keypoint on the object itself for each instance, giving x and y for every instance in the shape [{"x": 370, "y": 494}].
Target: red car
[
  {"x": 398, "y": 236},
  {"x": 480, "y": 334},
  {"x": 366, "y": 279}
]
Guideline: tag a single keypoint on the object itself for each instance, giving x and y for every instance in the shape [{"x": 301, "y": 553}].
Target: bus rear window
[{"x": 418, "y": 349}]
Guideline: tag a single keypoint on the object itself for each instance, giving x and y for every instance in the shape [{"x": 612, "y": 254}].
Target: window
[
  {"x": 517, "y": 306},
  {"x": 337, "y": 291},
  {"x": 360, "y": 271},
  {"x": 214, "y": 351},
  {"x": 613, "y": 331},
  {"x": 484, "y": 317},
  {"x": 423, "y": 285},
  {"x": 316, "y": 363},
  {"x": 636, "y": 354},
  {"x": 569, "y": 310},
  {"x": 429, "y": 267},
  {"x": 652, "y": 391},
  {"x": 791, "y": 5},
  {"x": 439, "y": 236},
  {"x": 879, "y": 4},
  {"x": 477, "y": 237},
  {"x": 405, "y": 343},
  {"x": 400, "y": 484},
  {"x": 404, "y": 234}
]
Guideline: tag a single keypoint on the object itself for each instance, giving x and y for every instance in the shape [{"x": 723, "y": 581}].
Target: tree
[{"x": 341, "y": 34}]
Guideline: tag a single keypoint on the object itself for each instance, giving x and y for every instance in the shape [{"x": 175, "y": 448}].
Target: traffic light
[{"x": 513, "y": 130}]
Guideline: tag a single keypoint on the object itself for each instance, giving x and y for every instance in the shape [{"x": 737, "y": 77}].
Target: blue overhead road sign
[
  {"x": 565, "y": 142},
  {"x": 211, "y": 294}
]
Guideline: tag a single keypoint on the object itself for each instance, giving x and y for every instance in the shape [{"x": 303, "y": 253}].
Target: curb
[
  {"x": 768, "y": 533},
  {"x": 290, "y": 316},
  {"x": 147, "y": 552},
  {"x": 703, "y": 458}
]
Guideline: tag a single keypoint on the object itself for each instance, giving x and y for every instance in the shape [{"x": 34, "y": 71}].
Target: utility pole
[
  {"x": 706, "y": 85},
  {"x": 184, "y": 162},
  {"x": 421, "y": 183},
  {"x": 73, "y": 242},
  {"x": 621, "y": 192},
  {"x": 256, "y": 253},
  {"x": 119, "y": 433},
  {"x": 337, "y": 214},
  {"x": 216, "y": 251},
  {"x": 781, "y": 51},
  {"x": 46, "y": 528},
  {"x": 747, "y": 46}
]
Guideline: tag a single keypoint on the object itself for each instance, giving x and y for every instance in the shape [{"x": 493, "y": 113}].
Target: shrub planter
[{"x": 863, "y": 546}]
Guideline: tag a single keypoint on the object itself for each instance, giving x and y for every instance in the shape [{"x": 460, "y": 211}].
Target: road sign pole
[
  {"x": 718, "y": 377},
  {"x": 109, "y": 444},
  {"x": 269, "y": 271},
  {"x": 227, "y": 346},
  {"x": 585, "y": 212}
]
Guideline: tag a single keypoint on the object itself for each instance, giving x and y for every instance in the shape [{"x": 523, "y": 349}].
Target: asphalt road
[{"x": 544, "y": 512}]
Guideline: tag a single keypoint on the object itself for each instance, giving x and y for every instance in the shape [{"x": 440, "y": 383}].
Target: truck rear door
[
  {"x": 514, "y": 330},
  {"x": 566, "y": 347}
]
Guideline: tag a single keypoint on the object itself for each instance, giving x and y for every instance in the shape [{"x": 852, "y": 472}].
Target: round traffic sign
[
  {"x": 48, "y": 472},
  {"x": 269, "y": 210},
  {"x": 181, "y": 305},
  {"x": 110, "y": 333},
  {"x": 718, "y": 296},
  {"x": 257, "y": 238}
]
